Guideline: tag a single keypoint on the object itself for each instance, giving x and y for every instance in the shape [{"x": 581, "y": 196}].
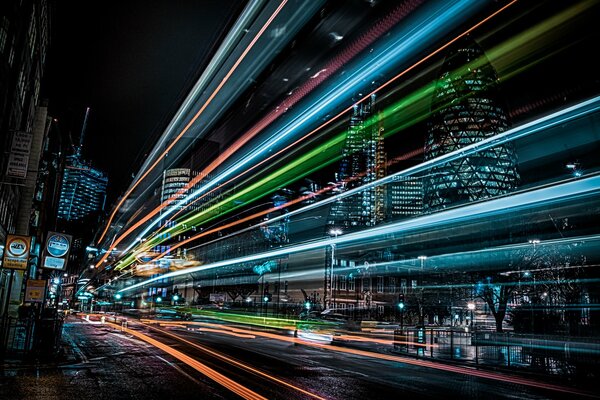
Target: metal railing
[{"x": 543, "y": 354}]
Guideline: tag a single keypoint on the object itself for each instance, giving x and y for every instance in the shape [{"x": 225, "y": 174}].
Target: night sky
[{"x": 132, "y": 62}]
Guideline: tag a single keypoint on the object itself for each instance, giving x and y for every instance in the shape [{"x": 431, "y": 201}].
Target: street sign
[
  {"x": 16, "y": 253},
  {"x": 35, "y": 291},
  {"x": 56, "y": 251}
]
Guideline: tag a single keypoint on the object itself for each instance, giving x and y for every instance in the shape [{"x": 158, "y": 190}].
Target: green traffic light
[{"x": 401, "y": 306}]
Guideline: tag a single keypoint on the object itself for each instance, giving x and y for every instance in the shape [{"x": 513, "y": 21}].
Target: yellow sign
[
  {"x": 16, "y": 252},
  {"x": 35, "y": 291}
]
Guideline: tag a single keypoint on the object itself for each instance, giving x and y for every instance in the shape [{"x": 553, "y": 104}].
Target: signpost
[
  {"x": 16, "y": 253},
  {"x": 56, "y": 251},
  {"x": 16, "y": 256},
  {"x": 35, "y": 291},
  {"x": 18, "y": 159}
]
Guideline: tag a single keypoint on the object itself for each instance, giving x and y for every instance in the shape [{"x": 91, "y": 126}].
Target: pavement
[{"x": 100, "y": 364}]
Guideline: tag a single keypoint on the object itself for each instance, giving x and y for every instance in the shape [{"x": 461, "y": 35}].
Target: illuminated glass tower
[
  {"x": 363, "y": 161},
  {"x": 83, "y": 189},
  {"x": 465, "y": 110}
]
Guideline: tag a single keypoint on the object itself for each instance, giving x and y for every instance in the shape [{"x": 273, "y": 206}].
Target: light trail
[
  {"x": 344, "y": 56},
  {"x": 394, "y": 52},
  {"x": 235, "y": 362},
  {"x": 496, "y": 51},
  {"x": 221, "y": 379},
  {"x": 546, "y": 195},
  {"x": 236, "y": 32},
  {"x": 578, "y": 111},
  {"x": 272, "y": 209},
  {"x": 240, "y": 335},
  {"x": 427, "y": 364},
  {"x": 187, "y": 127}
]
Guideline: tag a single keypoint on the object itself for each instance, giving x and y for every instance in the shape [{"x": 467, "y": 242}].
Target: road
[
  {"x": 271, "y": 365},
  {"x": 162, "y": 359}
]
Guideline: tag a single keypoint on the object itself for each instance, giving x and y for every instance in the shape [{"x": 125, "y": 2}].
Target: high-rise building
[
  {"x": 405, "y": 197},
  {"x": 83, "y": 189},
  {"x": 466, "y": 109},
  {"x": 363, "y": 161}
]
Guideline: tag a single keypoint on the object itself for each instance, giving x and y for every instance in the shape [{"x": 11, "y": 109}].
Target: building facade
[
  {"x": 404, "y": 198},
  {"x": 24, "y": 42},
  {"x": 466, "y": 109}
]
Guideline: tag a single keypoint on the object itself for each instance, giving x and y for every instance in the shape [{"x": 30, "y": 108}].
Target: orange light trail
[
  {"x": 248, "y": 135},
  {"x": 221, "y": 379},
  {"x": 421, "y": 363},
  {"x": 289, "y": 203},
  {"x": 191, "y": 122},
  {"x": 236, "y": 362},
  {"x": 240, "y": 335}
]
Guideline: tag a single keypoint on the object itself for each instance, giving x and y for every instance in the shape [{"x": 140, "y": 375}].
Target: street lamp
[
  {"x": 334, "y": 232},
  {"x": 421, "y": 310},
  {"x": 471, "y": 307}
]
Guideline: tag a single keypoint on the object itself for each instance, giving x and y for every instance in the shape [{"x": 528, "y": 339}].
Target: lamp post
[
  {"x": 471, "y": 307},
  {"x": 334, "y": 232},
  {"x": 421, "y": 311}
]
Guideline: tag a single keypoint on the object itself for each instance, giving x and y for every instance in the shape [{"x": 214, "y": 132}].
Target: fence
[
  {"x": 546, "y": 354},
  {"x": 24, "y": 336},
  {"x": 16, "y": 335}
]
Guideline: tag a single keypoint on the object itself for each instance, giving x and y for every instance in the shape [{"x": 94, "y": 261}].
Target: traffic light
[
  {"x": 401, "y": 302},
  {"x": 267, "y": 297}
]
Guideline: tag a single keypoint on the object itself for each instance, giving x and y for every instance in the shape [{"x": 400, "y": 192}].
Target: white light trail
[{"x": 550, "y": 194}]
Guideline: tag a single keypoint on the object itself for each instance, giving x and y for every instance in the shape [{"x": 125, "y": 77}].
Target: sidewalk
[{"x": 98, "y": 363}]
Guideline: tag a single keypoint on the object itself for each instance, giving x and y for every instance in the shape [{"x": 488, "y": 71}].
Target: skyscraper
[
  {"x": 405, "y": 197},
  {"x": 83, "y": 189},
  {"x": 363, "y": 161},
  {"x": 465, "y": 110}
]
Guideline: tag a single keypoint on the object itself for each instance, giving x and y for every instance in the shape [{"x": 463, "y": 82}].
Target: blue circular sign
[{"x": 57, "y": 245}]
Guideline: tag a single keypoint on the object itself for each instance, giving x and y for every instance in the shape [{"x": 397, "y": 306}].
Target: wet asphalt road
[
  {"x": 100, "y": 364},
  {"x": 103, "y": 363}
]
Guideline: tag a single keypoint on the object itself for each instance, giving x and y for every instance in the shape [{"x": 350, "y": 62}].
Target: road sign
[
  {"x": 56, "y": 251},
  {"x": 35, "y": 291},
  {"x": 16, "y": 253}
]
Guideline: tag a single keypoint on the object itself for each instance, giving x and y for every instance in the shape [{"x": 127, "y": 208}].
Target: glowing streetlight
[
  {"x": 471, "y": 307},
  {"x": 334, "y": 232}
]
